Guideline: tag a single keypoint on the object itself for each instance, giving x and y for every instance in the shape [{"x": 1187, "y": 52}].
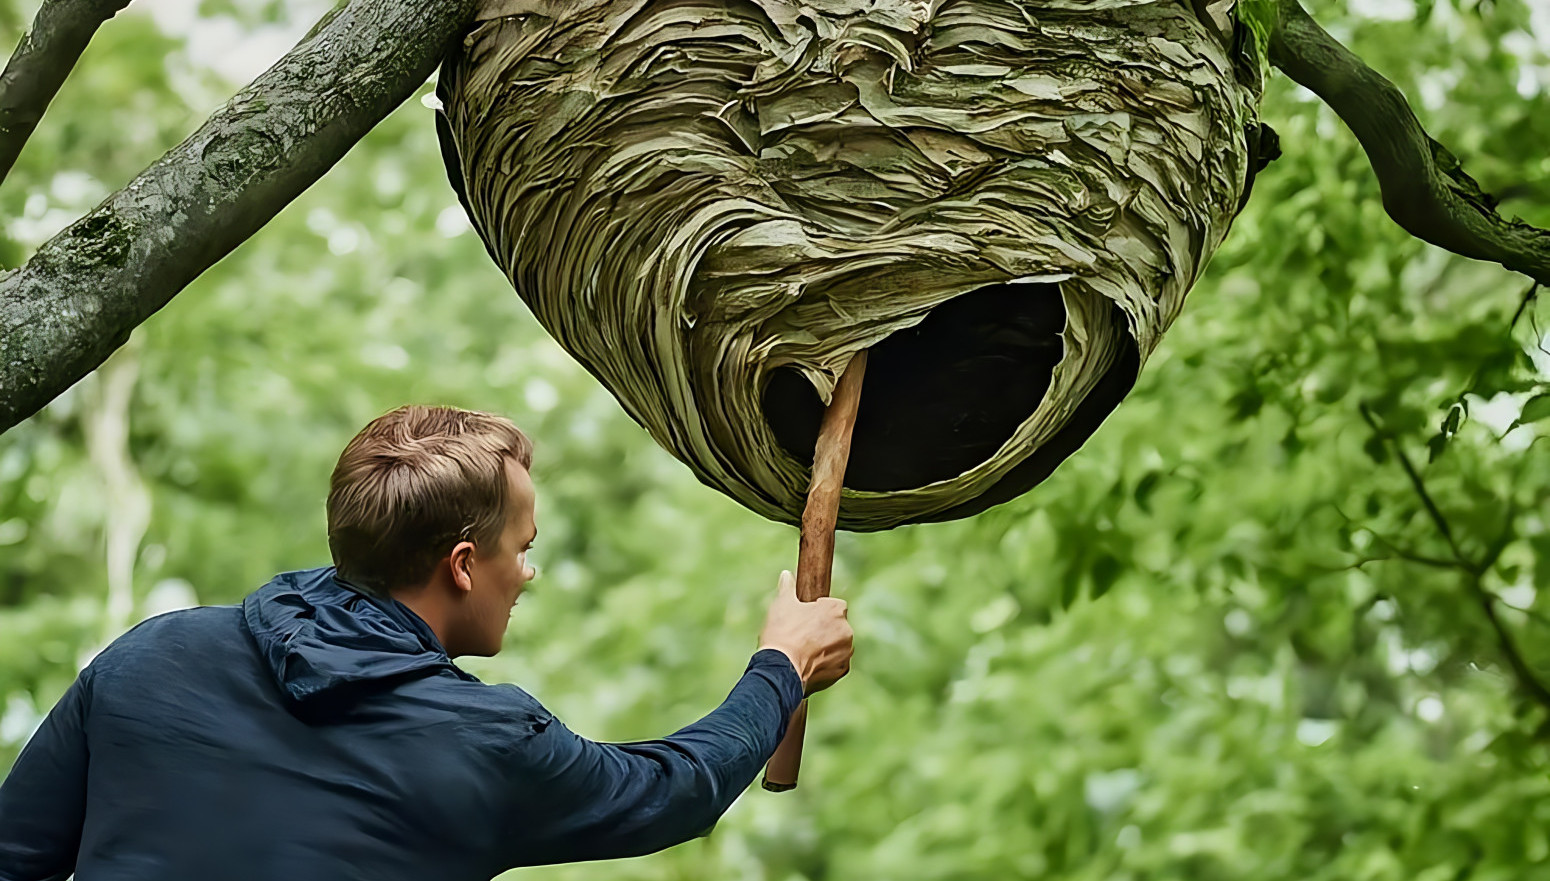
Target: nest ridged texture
[{"x": 690, "y": 194}]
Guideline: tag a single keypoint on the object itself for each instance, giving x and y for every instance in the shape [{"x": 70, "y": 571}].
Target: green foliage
[
  {"x": 1260, "y": 16},
  {"x": 1227, "y": 640}
]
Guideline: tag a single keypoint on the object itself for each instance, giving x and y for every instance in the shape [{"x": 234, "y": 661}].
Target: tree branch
[
  {"x": 1528, "y": 297},
  {"x": 81, "y": 294},
  {"x": 38, "y": 68},
  {"x": 1473, "y": 571},
  {"x": 1424, "y": 188},
  {"x": 1527, "y": 680},
  {"x": 1531, "y": 614},
  {"x": 1419, "y": 486}
]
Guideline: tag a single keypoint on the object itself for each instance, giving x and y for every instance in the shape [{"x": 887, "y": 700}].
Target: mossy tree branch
[
  {"x": 1424, "y": 188},
  {"x": 77, "y": 299},
  {"x": 37, "y": 69}
]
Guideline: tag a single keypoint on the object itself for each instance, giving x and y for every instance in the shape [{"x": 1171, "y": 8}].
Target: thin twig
[
  {"x": 1528, "y": 297},
  {"x": 1533, "y": 614},
  {"x": 1363, "y": 561},
  {"x": 1409, "y": 556},
  {"x": 1539, "y": 337},
  {"x": 1493, "y": 551},
  {"x": 1397, "y": 551},
  {"x": 1473, "y": 571},
  {"x": 1419, "y": 485},
  {"x": 1526, "y": 678}
]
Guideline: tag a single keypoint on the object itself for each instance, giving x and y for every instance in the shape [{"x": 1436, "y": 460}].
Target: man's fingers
[
  {"x": 788, "y": 584},
  {"x": 836, "y": 604}
]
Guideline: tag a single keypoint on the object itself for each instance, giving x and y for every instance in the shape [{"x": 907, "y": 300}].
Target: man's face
[{"x": 500, "y": 572}]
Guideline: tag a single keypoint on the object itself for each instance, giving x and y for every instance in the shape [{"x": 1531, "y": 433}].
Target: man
[{"x": 321, "y": 731}]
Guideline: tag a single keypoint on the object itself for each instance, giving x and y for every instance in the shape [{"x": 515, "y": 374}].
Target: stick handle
[
  {"x": 815, "y": 556},
  {"x": 780, "y": 775}
]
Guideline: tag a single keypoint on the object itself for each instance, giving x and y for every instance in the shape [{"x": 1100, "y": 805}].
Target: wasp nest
[{"x": 714, "y": 204}]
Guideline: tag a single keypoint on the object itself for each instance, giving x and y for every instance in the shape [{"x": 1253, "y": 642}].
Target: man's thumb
[{"x": 788, "y": 585}]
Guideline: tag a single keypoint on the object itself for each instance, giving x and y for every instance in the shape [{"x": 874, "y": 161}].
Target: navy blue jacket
[{"x": 317, "y": 733}]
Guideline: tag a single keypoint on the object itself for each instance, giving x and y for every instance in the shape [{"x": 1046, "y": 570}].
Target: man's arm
[
  {"x": 43, "y": 799},
  {"x": 576, "y": 799}
]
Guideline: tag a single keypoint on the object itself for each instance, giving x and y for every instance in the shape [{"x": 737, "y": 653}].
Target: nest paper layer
[{"x": 692, "y": 194}]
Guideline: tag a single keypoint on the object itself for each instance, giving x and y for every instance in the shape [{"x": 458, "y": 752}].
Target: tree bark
[
  {"x": 40, "y": 64},
  {"x": 1424, "y": 188},
  {"x": 78, "y": 298}
]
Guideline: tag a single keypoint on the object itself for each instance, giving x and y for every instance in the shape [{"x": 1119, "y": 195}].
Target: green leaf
[
  {"x": 1376, "y": 450},
  {"x": 1106, "y": 570},
  {"x": 1246, "y": 403},
  {"x": 1537, "y": 408},
  {"x": 1455, "y": 417},
  {"x": 1068, "y": 591},
  {"x": 1144, "y": 488},
  {"x": 1291, "y": 442},
  {"x": 1435, "y": 447}
]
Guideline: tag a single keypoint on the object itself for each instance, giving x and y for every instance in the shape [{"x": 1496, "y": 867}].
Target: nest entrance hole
[{"x": 941, "y": 397}]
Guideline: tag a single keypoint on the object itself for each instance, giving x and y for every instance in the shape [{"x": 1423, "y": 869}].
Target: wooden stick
[{"x": 815, "y": 556}]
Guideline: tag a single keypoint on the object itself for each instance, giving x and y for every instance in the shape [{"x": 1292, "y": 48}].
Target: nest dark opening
[{"x": 941, "y": 397}]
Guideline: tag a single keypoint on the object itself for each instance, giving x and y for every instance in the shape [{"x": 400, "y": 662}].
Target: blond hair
[{"x": 412, "y": 484}]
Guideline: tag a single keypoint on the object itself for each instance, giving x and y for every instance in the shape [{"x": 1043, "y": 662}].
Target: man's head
[{"x": 434, "y": 506}]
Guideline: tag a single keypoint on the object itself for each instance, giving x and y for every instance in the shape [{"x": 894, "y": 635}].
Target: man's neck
[{"x": 423, "y": 602}]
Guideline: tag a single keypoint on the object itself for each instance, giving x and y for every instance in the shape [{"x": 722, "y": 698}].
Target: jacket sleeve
[
  {"x": 575, "y": 799},
  {"x": 43, "y": 799}
]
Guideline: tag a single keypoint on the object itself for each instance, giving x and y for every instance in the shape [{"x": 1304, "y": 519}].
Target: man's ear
[{"x": 462, "y": 560}]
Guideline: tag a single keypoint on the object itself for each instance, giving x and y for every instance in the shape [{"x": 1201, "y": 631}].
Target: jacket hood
[{"x": 326, "y": 642}]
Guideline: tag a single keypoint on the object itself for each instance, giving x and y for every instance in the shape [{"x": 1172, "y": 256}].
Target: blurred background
[{"x": 1227, "y": 640}]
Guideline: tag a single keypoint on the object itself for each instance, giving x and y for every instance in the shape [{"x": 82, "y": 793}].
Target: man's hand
[{"x": 816, "y": 636}]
